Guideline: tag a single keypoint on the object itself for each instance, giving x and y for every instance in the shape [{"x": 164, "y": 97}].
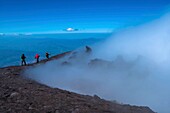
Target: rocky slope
[{"x": 21, "y": 95}]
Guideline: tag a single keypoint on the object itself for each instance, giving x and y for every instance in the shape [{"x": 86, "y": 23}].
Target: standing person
[
  {"x": 47, "y": 55},
  {"x": 88, "y": 49},
  {"x": 23, "y": 62},
  {"x": 37, "y": 56}
]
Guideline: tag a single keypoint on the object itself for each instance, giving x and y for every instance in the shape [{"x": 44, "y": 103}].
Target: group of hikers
[{"x": 37, "y": 56}]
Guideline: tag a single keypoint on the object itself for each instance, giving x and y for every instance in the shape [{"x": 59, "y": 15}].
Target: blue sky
[{"x": 43, "y": 16}]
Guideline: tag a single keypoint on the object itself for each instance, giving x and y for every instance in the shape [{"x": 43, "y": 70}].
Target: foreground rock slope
[{"x": 21, "y": 95}]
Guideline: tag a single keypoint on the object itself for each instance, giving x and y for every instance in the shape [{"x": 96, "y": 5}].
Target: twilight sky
[{"x": 46, "y": 16}]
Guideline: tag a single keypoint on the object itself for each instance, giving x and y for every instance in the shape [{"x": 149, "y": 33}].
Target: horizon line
[{"x": 59, "y": 32}]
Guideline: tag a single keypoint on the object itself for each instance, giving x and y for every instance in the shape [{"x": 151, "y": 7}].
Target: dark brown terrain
[{"x": 21, "y": 95}]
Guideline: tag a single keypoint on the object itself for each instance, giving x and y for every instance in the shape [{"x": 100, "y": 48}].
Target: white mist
[{"x": 135, "y": 67}]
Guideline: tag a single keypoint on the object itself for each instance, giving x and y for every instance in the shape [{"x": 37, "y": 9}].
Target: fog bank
[{"x": 131, "y": 67}]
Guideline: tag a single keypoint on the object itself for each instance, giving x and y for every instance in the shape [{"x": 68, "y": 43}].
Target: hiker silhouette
[
  {"x": 23, "y": 62},
  {"x": 47, "y": 55},
  {"x": 88, "y": 49}
]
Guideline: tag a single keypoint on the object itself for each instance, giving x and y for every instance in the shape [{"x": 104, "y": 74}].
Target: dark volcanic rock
[{"x": 21, "y": 95}]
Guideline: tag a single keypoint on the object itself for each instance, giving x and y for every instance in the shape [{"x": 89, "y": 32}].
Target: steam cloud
[{"x": 133, "y": 66}]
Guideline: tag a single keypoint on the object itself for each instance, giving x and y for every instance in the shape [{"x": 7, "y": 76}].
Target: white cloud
[
  {"x": 138, "y": 71},
  {"x": 70, "y": 29}
]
